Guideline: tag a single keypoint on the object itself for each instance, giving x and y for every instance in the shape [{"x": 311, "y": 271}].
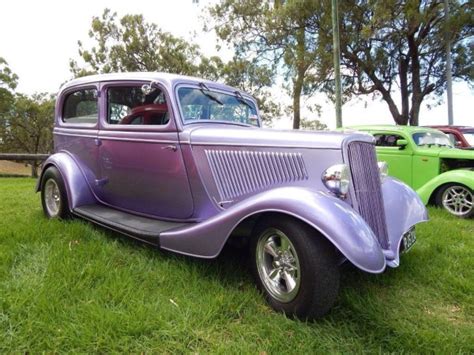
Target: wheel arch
[
  {"x": 245, "y": 228},
  {"x": 77, "y": 189},
  {"x": 460, "y": 176},
  {"x": 326, "y": 214}
]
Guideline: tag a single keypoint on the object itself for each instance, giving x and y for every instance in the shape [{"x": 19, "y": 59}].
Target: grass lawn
[{"x": 71, "y": 286}]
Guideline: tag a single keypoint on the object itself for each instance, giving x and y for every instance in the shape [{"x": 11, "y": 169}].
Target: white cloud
[{"x": 39, "y": 37}]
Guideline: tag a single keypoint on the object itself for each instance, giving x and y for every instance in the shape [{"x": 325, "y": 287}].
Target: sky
[{"x": 38, "y": 38}]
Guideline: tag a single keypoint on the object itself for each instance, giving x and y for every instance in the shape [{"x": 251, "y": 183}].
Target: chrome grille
[
  {"x": 367, "y": 188},
  {"x": 238, "y": 172}
]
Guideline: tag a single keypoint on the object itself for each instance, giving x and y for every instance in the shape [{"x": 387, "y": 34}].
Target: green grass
[{"x": 71, "y": 286}]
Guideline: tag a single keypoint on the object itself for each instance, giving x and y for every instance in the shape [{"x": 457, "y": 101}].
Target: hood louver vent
[{"x": 237, "y": 173}]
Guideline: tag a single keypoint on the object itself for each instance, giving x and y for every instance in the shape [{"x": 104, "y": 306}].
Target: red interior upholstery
[{"x": 151, "y": 114}]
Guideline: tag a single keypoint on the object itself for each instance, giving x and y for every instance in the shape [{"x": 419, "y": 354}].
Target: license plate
[{"x": 409, "y": 238}]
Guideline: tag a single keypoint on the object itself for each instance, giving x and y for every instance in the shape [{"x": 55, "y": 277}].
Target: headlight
[
  {"x": 337, "y": 179},
  {"x": 383, "y": 170}
]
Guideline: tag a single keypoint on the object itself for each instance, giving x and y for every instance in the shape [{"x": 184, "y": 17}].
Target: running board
[{"x": 145, "y": 229}]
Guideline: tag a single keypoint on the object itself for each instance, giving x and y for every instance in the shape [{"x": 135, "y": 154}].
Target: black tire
[
  {"x": 317, "y": 282},
  {"x": 53, "y": 187},
  {"x": 455, "y": 199}
]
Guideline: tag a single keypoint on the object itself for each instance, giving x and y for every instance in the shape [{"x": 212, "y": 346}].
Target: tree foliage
[
  {"x": 277, "y": 34},
  {"x": 398, "y": 46},
  {"x": 132, "y": 44},
  {"x": 8, "y": 83},
  {"x": 314, "y": 125},
  {"x": 28, "y": 126}
]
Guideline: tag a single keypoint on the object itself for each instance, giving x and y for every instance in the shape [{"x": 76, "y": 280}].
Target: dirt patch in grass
[{"x": 12, "y": 168}]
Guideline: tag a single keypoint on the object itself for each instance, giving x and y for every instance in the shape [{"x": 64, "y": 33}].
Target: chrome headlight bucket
[
  {"x": 337, "y": 179},
  {"x": 383, "y": 170}
]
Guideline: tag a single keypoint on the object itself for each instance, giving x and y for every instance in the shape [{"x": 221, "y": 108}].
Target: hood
[
  {"x": 456, "y": 154},
  {"x": 225, "y": 134},
  {"x": 447, "y": 153}
]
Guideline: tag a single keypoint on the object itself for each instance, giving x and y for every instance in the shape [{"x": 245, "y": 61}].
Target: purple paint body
[{"x": 214, "y": 175}]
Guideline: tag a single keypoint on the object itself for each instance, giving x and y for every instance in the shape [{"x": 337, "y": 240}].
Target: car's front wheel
[
  {"x": 294, "y": 267},
  {"x": 457, "y": 199},
  {"x": 54, "y": 194}
]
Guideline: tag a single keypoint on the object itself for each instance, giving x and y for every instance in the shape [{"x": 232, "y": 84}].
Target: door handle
[{"x": 172, "y": 147}]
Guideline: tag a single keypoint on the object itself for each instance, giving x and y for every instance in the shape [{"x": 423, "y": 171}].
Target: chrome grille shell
[{"x": 366, "y": 186}]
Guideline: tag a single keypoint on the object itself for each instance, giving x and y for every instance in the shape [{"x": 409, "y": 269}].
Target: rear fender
[
  {"x": 459, "y": 176},
  {"x": 330, "y": 216},
  {"x": 78, "y": 190}
]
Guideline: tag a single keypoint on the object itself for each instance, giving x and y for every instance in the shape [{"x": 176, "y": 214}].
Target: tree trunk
[
  {"x": 298, "y": 87},
  {"x": 405, "y": 96},
  {"x": 300, "y": 74},
  {"x": 416, "y": 96}
]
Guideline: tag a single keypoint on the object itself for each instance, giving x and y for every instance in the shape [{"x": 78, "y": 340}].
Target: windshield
[
  {"x": 469, "y": 137},
  {"x": 432, "y": 139},
  {"x": 205, "y": 105}
]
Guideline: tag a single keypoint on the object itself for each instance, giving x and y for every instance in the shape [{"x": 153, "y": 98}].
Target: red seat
[{"x": 152, "y": 114}]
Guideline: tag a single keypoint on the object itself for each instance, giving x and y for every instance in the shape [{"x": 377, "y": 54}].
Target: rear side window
[{"x": 81, "y": 107}]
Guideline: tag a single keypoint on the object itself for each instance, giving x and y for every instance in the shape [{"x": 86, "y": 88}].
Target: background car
[
  {"x": 461, "y": 136},
  {"x": 425, "y": 159}
]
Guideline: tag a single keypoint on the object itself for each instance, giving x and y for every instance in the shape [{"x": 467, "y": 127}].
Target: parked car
[
  {"x": 184, "y": 164},
  {"x": 461, "y": 136},
  {"x": 425, "y": 159}
]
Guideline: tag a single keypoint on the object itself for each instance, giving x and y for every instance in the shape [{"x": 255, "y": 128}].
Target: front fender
[
  {"x": 460, "y": 176},
  {"x": 403, "y": 209},
  {"x": 78, "y": 190},
  {"x": 332, "y": 217}
]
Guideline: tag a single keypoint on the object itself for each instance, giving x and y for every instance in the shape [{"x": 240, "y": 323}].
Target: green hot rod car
[{"x": 425, "y": 159}]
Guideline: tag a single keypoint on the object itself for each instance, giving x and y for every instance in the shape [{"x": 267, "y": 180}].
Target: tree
[
  {"x": 132, "y": 44},
  {"x": 314, "y": 125},
  {"x": 275, "y": 33},
  {"x": 8, "y": 83},
  {"x": 28, "y": 126},
  {"x": 399, "y": 46},
  {"x": 253, "y": 79}
]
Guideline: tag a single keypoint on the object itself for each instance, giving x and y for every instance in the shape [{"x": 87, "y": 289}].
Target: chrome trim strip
[{"x": 140, "y": 140}]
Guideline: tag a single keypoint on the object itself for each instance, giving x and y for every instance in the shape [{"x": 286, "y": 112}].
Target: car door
[
  {"x": 399, "y": 159},
  {"x": 141, "y": 164}
]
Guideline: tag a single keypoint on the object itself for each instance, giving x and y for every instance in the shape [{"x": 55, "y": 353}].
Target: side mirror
[{"x": 402, "y": 143}]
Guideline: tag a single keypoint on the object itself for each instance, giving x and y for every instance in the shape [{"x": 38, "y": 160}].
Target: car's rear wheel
[
  {"x": 294, "y": 267},
  {"x": 54, "y": 194},
  {"x": 457, "y": 199}
]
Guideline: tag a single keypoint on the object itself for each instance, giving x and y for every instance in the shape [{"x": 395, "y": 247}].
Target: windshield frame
[
  {"x": 469, "y": 133},
  {"x": 212, "y": 90},
  {"x": 429, "y": 145}
]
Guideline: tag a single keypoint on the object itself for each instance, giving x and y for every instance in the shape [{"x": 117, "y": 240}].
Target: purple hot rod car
[{"x": 183, "y": 163}]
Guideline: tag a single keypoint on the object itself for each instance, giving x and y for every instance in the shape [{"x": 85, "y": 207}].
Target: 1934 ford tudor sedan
[{"x": 183, "y": 164}]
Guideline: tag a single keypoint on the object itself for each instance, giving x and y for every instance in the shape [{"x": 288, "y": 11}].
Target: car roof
[
  {"x": 394, "y": 128},
  {"x": 168, "y": 79},
  {"x": 457, "y": 128}
]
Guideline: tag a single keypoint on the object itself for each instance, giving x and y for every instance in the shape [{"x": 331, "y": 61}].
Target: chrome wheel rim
[
  {"x": 278, "y": 265},
  {"x": 52, "y": 197},
  {"x": 458, "y": 200}
]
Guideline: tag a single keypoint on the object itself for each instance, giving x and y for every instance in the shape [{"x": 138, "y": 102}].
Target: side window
[
  {"x": 81, "y": 107},
  {"x": 454, "y": 139},
  {"x": 386, "y": 140},
  {"x": 136, "y": 105}
]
